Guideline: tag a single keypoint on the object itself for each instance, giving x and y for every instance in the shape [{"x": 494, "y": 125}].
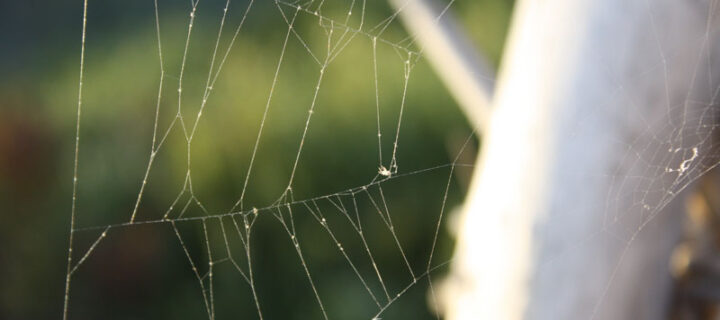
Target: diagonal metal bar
[{"x": 464, "y": 71}]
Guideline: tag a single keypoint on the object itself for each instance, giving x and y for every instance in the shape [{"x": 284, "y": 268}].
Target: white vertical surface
[{"x": 548, "y": 229}]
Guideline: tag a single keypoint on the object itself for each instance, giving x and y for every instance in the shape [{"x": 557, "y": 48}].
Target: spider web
[
  {"x": 281, "y": 222},
  {"x": 225, "y": 237}
]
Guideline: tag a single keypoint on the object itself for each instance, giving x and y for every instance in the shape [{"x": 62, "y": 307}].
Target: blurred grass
[{"x": 141, "y": 272}]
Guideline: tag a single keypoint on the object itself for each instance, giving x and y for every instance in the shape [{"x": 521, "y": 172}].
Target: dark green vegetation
[{"x": 141, "y": 272}]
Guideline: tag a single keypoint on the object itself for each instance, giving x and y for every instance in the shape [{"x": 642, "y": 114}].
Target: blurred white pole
[
  {"x": 576, "y": 158},
  {"x": 465, "y": 73}
]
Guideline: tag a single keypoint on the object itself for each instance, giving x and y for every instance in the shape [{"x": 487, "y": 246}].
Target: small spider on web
[{"x": 384, "y": 171}]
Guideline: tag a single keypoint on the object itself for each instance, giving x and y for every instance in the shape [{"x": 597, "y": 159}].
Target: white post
[{"x": 593, "y": 129}]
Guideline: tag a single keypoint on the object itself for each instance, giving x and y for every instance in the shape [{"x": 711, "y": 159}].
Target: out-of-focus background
[{"x": 141, "y": 272}]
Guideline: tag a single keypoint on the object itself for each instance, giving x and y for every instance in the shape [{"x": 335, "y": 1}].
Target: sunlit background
[{"x": 142, "y": 272}]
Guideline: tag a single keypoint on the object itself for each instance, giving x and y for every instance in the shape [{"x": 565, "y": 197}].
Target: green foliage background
[{"x": 141, "y": 272}]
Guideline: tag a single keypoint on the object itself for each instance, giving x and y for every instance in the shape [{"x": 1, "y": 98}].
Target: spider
[{"x": 384, "y": 171}]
